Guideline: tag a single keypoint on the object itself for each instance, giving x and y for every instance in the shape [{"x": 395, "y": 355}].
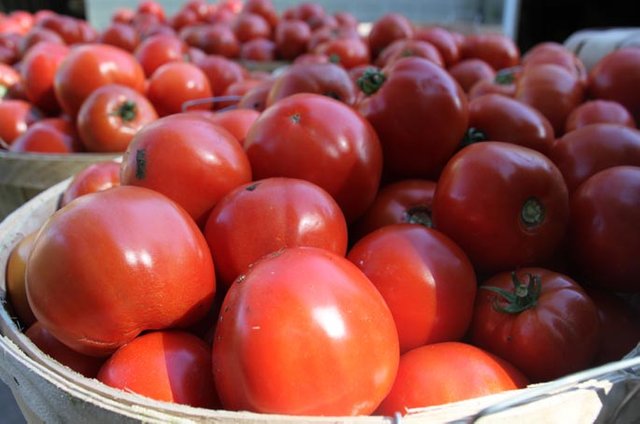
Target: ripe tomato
[
  {"x": 95, "y": 177},
  {"x": 216, "y": 39},
  {"x": 267, "y": 215},
  {"x": 156, "y": 50},
  {"x": 469, "y": 72},
  {"x": 587, "y": 150},
  {"x": 291, "y": 38},
  {"x": 37, "y": 35},
  {"x": 386, "y": 29},
  {"x": 329, "y": 33},
  {"x": 499, "y": 118},
  {"x": 443, "y": 40},
  {"x": 521, "y": 220},
  {"x": 187, "y": 84},
  {"x": 556, "y": 53},
  {"x": 264, "y": 8},
  {"x": 110, "y": 117},
  {"x": 400, "y": 105},
  {"x": 256, "y": 97},
  {"x": 120, "y": 35},
  {"x": 605, "y": 211},
  {"x": 290, "y": 319},
  {"x": 293, "y": 138},
  {"x": 503, "y": 83},
  {"x": 347, "y": 52},
  {"x": 49, "y": 135},
  {"x": 259, "y": 50},
  {"x": 38, "y": 70},
  {"x": 172, "y": 366},
  {"x": 406, "y": 48},
  {"x": 249, "y": 26},
  {"x": 15, "y": 277},
  {"x": 188, "y": 159},
  {"x": 598, "y": 112},
  {"x": 15, "y": 117},
  {"x": 541, "y": 321},
  {"x": 447, "y": 372},
  {"x": 498, "y": 50},
  {"x": 236, "y": 121},
  {"x": 95, "y": 65},
  {"x": 221, "y": 72},
  {"x": 144, "y": 265},
  {"x": 425, "y": 278}
]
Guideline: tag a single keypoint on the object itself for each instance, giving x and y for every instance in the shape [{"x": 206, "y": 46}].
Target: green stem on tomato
[
  {"x": 473, "y": 135},
  {"x": 523, "y": 297},
  {"x": 418, "y": 215},
  {"x": 371, "y": 81},
  {"x": 532, "y": 213},
  {"x": 127, "y": 111}
]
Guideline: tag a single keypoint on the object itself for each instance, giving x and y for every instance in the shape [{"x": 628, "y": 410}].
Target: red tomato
[
  {"x": 405, "y": 201},
  {"x": 293, "y": 138},
  {"x": 216, "y": 39},
  {"x": 498, "y": 50},
  {"x": 95, "y": 65},
  {"x": 347, "y": 52},
  {"x": 37, "y": 35},
  {"x": 221, "y": 72},
  {"x": 469, "y": 72},
  {"x": 15, "y": 280},
  {"x": 598, "y": 112},
  {"x": 256, "y": 97},
  {"x": 248, "y": 26},
  {"x": 503, "y": 83},
  {"x": 155, "y": 51},
  {"x": 264, "y": 8},
  {"x": 605, "y": 211},
  {"x": 15, "y": 117},
  {"x": 328, "y": 79},
  {"x": 187, "y": 158},
  {"x": 425, "y": 278},
  {"x": 267, "y": 215},
  {"x": 38, "y": 70},
  {"x": 50, "y": 135},
  {"x": 86, "y": 365},
  {"x": 234, "y": 93},
  {"x": 120, "y": 35},
  {"x": 616, "y": 77},
  {"x": 581, "y": 153},
  {"x": 307, "y": 311},
  {"x": 188, "y": 85},
  {"x": 521, "y": 220},
  {"x": 172, "y": 366},
  {"x": 400, "y": 104},
  {"x": 259, "y": 50},
  {"x": 329, "y": 33},
  {"x": 443, "y": 40},
  {"x": 236, "y": 121},
  {"x": 291, "y": 38},
  {"x": 448, "y": 372},
  {"x": 72, "y": 30},
  {"x": 110, "y": 117},
  {"x": 555, "y": 53},
  {"x": 407, "y": 48},
  {"x": 151, "y": 7},
  {"x": 312, "y": 13},
  {"x": 386, "y": 29},
  {"x": 142, "y": 246},
  {"x": 499, "y": 118},
  {"x": 541, "y": 321},
  {"x": 95, "y": 177}
]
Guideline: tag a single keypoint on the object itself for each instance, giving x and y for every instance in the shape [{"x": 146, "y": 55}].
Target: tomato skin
[
  {"x": 95, "y": 177},
  {"x": 172, "y": 366},
  {"x": 558, "y": 335},
  {"x": 587, "y": 150},
  {"x": 416, "y": 141},
  {"x": 256, "y": 97},
  {"x": 15, "y": 277},
  {"x": 221, "y": 72},
  {"x": 347, "y": 52},
  {"x": 555, "y": 53},
  {"x": 110, "y": 117},
  {"x": 217, "y": 39},
  {"x": 49, "y": 135},
  {"x": 310, "y": 309},
  {"x": 406, "y": 48},
  {"x": 248, "y": 26},
  {"x": 291, "y": 38},
  {"x": 443, "y": 40},
  {"x": 500, "y": 118},
  {"x": 156, "y": 50},
  {"x": 426, "y": 280},
  {"x": 259, "y": 50},
  {"x": 120, "y": 35},
  {"x": 15, "y": 118},
  {"x": 38, "y": 70},
  {"x": 185, "y": 81},
  {"x": 135, "y": 241},
  {"x": 267, "y": 215},
  {"x": 188, "y": 159},
  {"x": 293, "y": 139},
  {"x": 598, "y": 112},
  {"x": 387, "y": 29},
  {"x": 498, "y": 50},
  {"x": 469, "y": 72},
  {"x": 447, "y": 372},
  {"x": 236, "y": 121},
  {"x": 603, "y": 232},
  {"x": 500, "y": 234}
]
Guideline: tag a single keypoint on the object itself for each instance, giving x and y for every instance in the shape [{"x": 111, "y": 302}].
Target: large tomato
[
  {"x": 555, "y": 53},
  {"x": 188, "y": 85},
  {"x": 446, "y": 372},
  {"x": 425, "y": 278},
  {"x": 156, "y": 50},
  {"x": 39, "y": 67},
  {"x": 15, "y": 280},
  {"x": 294, "y": 138},
  {"x": 505, "y": 205},
  {"x": 541, "y": 321},
  {"x": 419, "y": 112},
  {"x": 599, "y": 111},
  {"x": 114, "y": 263},
  {"x": 304, "y": 332},
  {"x": 291, "y": 37},
  {"x": 187, "y": 158},
  {"x": 605, "y": 211}
]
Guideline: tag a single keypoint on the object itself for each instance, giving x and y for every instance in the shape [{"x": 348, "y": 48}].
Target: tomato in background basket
[
  {"x": 48, "y": 135},
  {"x": 187, "y": 83},
  {"x": 95, "y": 177},
  {"x": 15, "y": 117},
  {"x": 291, "y": 37},
  {"x": 387, "y": 29},
  {"x": 15, "y": 277},
  {"x": 38, "y": 69},
  {"x": 156, "y": 50}
]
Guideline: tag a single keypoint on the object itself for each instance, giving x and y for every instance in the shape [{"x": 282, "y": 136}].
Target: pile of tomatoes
[{"x": 400, "y": 219}]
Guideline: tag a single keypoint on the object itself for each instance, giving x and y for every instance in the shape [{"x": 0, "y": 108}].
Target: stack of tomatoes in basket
[{"x": 403, "y": 218}]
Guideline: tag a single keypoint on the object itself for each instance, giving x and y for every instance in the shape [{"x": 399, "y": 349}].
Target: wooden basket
[{"x": 47, "y": 391}]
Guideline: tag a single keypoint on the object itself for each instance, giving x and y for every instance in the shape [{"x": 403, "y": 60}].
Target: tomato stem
[
  {"x": 473, "y": 135},
  {"x": 523, "y": 297},
  {"x": 128, "y": 111},
  {"x": 532, "y": 213},
  {"x": 371, "y": 81},
  {"x": 418, "y": 215},
  {"x": 334, "y": 58},
  {"x": 505, "y": 77}
]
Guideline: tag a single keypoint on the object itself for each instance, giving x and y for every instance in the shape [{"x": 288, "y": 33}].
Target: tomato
[
  {"x": 291, "y": 38},
  {"x": 498, "y": 50},
  {"x": 293, "y": 138},
  {"x": 425, "y": 278},
  {"x": 216, "y": 39},
  {"x": 110, "y": 117},
  {"x": 187, "y": 158},
  {"x": 503, "y": 83},
  {"x": 541, "y": 321},
  {"x": 258, "y": 49},
  {"x": 307, "y": 311},
  {"x": 49, "y": 135},
  {"x": 407, "y": 48},
  {"x": 597, "y": 112},
  {"x": 499, "y": 118},
  {"x": 587, "y": 150},
  {"x": 123, "y": 14},
  {"x": 95, "y": 177},
  {"x": 346, "y": 20},
  {"x": 221, "y": 72},
  {"x": 555, "y": 53},
  {"x": 329, "y": 33},
  {"x": 400, "y": 103},
  {"x": 234, "y": 93},
  {"x": 521, "y": 220},
  {"x": 468, "y": 72},
  {"x": 155, "y": 51},
  {"x": 15, "y": 277},
  {"x": 187, "y": 83},
  {"x": 72, "y": 30},
  {"x": 134, "y": 241},
  {"x": 407, "y": 201},
  {"x": 151, "y": 7},
  {"x": 120, "y": 35},
  {"x": 551, "y": 89},
  {"x": 172, "y": 366},
  {"x": 38, "y": 70},
  {"x": 267, "y": 215},
  {"x": 443, "y": 40},
  {"x": 264, "y": 8},
  {"x": 603, "y": 232},
  {"x": 236, "y": 121},
  {"x": 37, "y": 35},
  {"x": 616, "y": 77},
  {"x": 327, "y": 79},
  {"x": 95, "y": 65},
  {"x": 386, "y": 29},
  {"x": 447, "y": 372},
  {"x": 256, "y": 97},
  {"x": 248, "y": 26},
  {"x": 347, "y": 52},
  {"x": 15, "y": 117},
  {"x": 86, "y": 365},
  {"x": 312, "y": 13}
]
